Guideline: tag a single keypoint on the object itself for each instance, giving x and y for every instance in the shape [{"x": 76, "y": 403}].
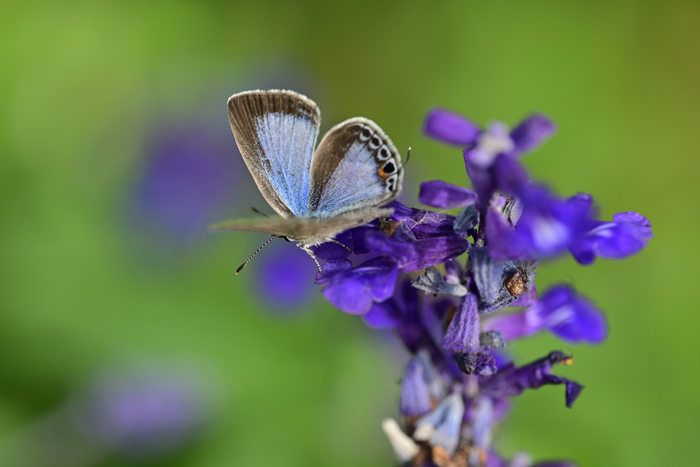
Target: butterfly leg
[
  {"x": 310, "y": 253},
  {"x": 340, "y": 243}
]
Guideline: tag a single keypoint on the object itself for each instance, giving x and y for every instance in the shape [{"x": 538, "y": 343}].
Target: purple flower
[
  {"x": 561, "y": 311},
  {"x": 625, "y": 236},
  {"x": 512, "y": 381},
  {"x": 141, "y": 413},
  {"x": 187, "y": 178},
  {"x": 455, "y": 129},
  {"x": 355, "y": 290},
  {"x": 284, "y": 278},
  {"x": 546, "y": 227},
  {"x": 492, "y": 163}
]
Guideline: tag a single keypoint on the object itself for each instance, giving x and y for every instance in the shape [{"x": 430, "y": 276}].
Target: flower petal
[
  {"x": 355, "y": 290},
  {"x": 624, "y": 237},
  {"x": 463, "y": 333},
  {"x": 512, "y": 381},
  {"x": 532, "y": 132},
  {"x": 450, "y": 128},
  {"x": 415, "y": 394},
  {"x": 548, "y": 224},
  {"x": 569, "y": 316},
  {"x": 466, "y": 220},
  {"x": 443, "y": 195},
  {"x": 487, "y": 273},
  {"x": 442, "y": 426}
]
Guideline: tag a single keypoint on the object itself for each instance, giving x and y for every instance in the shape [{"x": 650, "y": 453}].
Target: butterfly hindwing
[
  {"x": 306, "y": 229},
  {"x": 276, "y": 132},
  {"x": 356, "y": 165}
]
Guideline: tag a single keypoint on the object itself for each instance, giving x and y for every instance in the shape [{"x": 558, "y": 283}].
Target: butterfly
[{"x": 354, "y": 171}]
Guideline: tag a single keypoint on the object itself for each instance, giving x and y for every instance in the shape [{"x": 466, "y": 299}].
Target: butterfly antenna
[
  {"x": 408, "y": 157},
  {"x": 258, "y": 211},
  {"x": 256, "y": 252}
]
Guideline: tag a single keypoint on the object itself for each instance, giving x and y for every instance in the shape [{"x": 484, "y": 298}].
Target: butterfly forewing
[
  {"x": 276, "y": 132},
  {"x": 356, "y": 165}
]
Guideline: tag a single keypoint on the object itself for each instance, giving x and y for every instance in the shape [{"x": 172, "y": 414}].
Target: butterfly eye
[
  {"x": 391, "y": 182},
  {"x": 390, "y": 167},
  {"x": 375, "y": 142},
  {"x": 383, "y": 153},
  {"x": 365, "y": 134}
]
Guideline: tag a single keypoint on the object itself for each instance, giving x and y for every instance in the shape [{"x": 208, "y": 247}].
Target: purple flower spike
[
  {"x": 561, "y": 311},
  {"x": 450, "y": 128},
  {"x": 625, "y": 236},
  {"x": 443, "y": 195},
  {"x": 512, "y": 381},
  {"x": 462, "y": 335},
  {"x": 355, "y": 290},
  {"x": 532, "y": 132}
]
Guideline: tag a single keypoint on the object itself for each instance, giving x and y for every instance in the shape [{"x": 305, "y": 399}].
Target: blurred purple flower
[
  {"x": 284, "y": 278},
  {"x": 143, "y": 412},
  {"x": 187, "y": 178}
]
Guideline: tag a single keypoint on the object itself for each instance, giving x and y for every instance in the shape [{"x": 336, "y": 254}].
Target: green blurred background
[{"x": 90, "y": 278}]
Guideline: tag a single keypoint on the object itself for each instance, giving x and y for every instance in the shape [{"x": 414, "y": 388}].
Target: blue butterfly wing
[
  {"x": 356, "y": 166},
  {"x": 276, "y": 132}
]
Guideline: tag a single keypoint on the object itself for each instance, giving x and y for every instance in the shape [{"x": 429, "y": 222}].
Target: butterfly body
[{"x": 354, "y": 171}]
